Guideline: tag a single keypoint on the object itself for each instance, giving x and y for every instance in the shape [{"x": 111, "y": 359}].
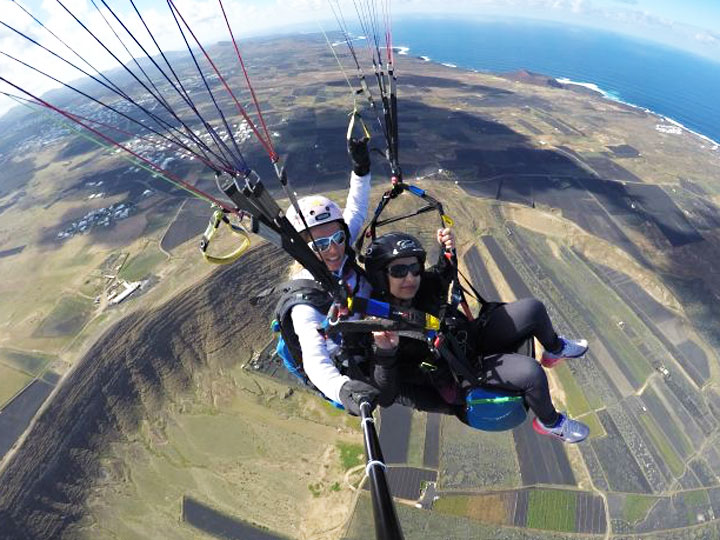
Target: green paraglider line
[{"x": 108, "y": 147}]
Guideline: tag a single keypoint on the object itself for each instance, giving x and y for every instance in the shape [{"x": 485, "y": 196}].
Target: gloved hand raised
[
  {"x": 354, "y": 392},
  {"x": 359, "y": 154}
]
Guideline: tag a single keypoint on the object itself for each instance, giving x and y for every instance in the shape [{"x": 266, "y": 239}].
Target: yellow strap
[
  {"x": 217, "y": 218},
  {"x": 447, "y": 220},
  {"x": 351, "y": 125}
]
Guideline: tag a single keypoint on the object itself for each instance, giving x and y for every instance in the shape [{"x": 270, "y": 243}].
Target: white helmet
[{"x": 316, "y": 210}]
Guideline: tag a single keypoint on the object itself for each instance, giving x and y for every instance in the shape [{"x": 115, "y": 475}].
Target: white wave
[
  {"x": 426, "y": 58},
  {"x": 448, "y": 64},
  {"x": 402, "y": 50},
  {"x": 614, "y": 96}
]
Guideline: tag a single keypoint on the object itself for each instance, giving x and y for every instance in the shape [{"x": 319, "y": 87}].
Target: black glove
[
  {"x": 360, "y": 156},
  {"x": 354, "y": 392}
]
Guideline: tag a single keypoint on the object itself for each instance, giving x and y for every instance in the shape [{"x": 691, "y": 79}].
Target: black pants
[
  {"x": 504, "y": 330},
  {"x": 507, "y": 327}
]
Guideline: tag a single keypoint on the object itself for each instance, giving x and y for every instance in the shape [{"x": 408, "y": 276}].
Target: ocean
[{"x": 670, "y": 82}]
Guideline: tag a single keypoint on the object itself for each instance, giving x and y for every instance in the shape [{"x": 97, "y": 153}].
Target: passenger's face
[
  {"x": 333, "y": 255},
  {"x": 404, "y": 288}
]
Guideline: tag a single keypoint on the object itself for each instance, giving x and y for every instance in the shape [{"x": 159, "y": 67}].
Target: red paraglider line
[
  {"x": 266, "y": 144},
  {"x": 170, "y": 175},
  {"x": 247, "y": 79}
]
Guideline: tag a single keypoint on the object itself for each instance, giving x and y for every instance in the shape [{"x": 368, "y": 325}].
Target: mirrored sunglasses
[
  {"x": 323, "y": 244},
  {"x": 401, "y": 270}
]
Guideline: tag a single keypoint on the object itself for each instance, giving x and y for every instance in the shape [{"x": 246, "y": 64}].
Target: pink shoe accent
[
  {"x": 550, "y": 361},
  {"x": 538, "y": 428}
]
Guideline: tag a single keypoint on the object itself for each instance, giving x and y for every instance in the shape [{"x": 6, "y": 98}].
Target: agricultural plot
[
  {"x": 667, "y": 453},
  {"x": 519, "y": 289},
  {"x": 416, "y": 440},
  {"x": 542, "y": 459},
  {"x": 586, "y": 301},
  {"x": 594, "y": 467},
  {"x": 66, "y": 319},
  {"x": 479, "y": 275},
  {"x": 473, "y": 459},
  {"x": 610, "y": 170},
  {"x": 141, "y": 265},
  {"x": 574, "y": 397},
  {"x": 665, "y": 326},
  {"x": 703, "y": 472},
  {"x": 11, "y": 382},
  {"x": 711, "y": 455},
  {"x": 394, "y": 433},
  {"x": 552, "y": 509},
  {"x": 423, "y": 525},
  {"x": 407, "y": 482},
  {"x": 16, "y": 415},
  {"x": 32, "y": 364},
  {"x": 189, "y": 223},
  {"x": 662, "y": 418},
  {"x": 662, "y": 211},
  {"x": 431, "y": 453},
  {"x": 617, "y": 461},
  {"x": 639, "y": 444},
  {"x": 494, "y": 508},
  {"x": 677, "y": 410},
  {"x": 646, "y": 515}
]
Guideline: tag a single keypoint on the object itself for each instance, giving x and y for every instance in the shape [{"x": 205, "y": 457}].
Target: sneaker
[
  {"x": 567, "y": 430},
  {"x": 571, "y": 348}
]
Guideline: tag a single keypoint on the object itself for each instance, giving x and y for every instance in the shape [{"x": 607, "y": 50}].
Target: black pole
[{"x": 387, "y": 526}]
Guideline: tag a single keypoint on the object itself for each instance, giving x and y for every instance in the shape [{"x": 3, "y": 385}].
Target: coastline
[{"x": 612, "y": 96}]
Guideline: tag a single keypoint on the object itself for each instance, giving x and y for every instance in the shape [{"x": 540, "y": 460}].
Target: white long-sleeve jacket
[{"x": 316, "y": 351}]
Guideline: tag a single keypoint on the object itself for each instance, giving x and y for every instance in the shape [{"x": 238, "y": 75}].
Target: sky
[{"x": 693, "y": 25}]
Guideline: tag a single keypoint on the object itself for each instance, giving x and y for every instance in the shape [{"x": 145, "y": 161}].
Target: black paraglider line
[
  {"x": 110, "y": 107},
  {"x": 67, "y": 47},
  {"x": 340, "y": 18},
  {"x": 157, "y": 119},
  {"x": 265, "y": 143},
  {"x": 184, "y": 95},
  {"x": 132, "y": 56},
  {"x": 273, "y": 155},
  {"x": 156, "y": 167},
  {"x": 71, "y": 118},
  {"x": 161, "y": 99},
  {"x": 239, "y": 159},
  {"x": 132, "y": 74}
]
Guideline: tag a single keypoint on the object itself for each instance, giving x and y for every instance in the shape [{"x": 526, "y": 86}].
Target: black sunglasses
[{"x": 401, "y": 270}]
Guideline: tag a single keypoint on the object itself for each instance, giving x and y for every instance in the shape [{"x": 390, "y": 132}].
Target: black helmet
[{"x": 385, "y": 249}]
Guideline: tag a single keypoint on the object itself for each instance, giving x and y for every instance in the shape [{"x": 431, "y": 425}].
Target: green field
[
  {"x": 141, "y": 266},
  {"x": 602, "y": 304},
  {"x": 455, "y": 505},
  {"x": 552, "y": 509},
  {"x": 351, "y": 455},
  {"x": 636, "y": 507},
  {"x": 67, "y": 318},
  {"x": 662, "y": 444},
  {"x": 574, "y": 396},
  {"x": 11, "y": 382},
  {"x": 32, "y": 364},
  {"x": 416, "y": 441},
  {"x": 593, "y": 422},
  {"x": 697, "y": 502}
]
